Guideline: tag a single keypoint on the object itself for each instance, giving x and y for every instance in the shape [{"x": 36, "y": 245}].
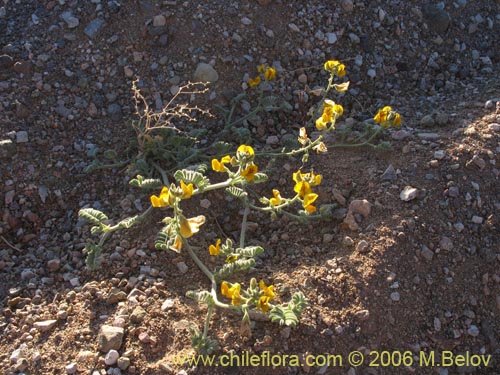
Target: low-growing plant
[{"x": 241, "y": 170}]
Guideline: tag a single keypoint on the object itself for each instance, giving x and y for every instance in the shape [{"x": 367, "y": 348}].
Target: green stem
[
  {"x": 164, "y": 176},
  {"x": 207, "y": 321},
  {"x": 244, "y": 224},
  {"x": 210, "y": 276}
]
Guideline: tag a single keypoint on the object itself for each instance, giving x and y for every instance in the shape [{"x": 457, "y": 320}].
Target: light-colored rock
[
  {"x": 408, "y": 193},
  {"x": 205, "y": 73},
  {"x": 361, "y": 207},
  {"x": 159, "y": 20},
  {"x": 111, "y": 357},
  {"x": 446, "y": 244},
  {"x": 362, "y": 247},
  {"x": 45, "y": 325},
  {"x": 110, "y": 338}
]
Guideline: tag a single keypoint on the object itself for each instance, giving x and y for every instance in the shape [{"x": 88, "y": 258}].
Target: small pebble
[
  {"x": 111, "y": 357},
  {"x": 395, "y": 296}
]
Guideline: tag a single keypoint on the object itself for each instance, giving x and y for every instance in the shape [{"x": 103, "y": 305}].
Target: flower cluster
[
  {"x": 334, "y": 67},
  {"x": 260, "y": 296},
  {"x": 331, "y": 112},
  {"x": 268, "y": 73},
  {"x": 387, "y": 117},
  {"x": 169, "y": 195},
  {"x": 303, "y": 184},
  {"x": 243, "y": 159}
]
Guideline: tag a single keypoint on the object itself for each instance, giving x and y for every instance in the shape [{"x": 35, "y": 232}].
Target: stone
[
  {"x": 442, "y": 118},
  {"x": 45, "y": 325},
  {"x": 445, "y": 244},
  {"x": 408, "y": 193},
  {"x": 362, "y": 315},
  {"x": 477, "y": 161},
  {"x": 167, "y": 304},
  {"x": 6, "y": 62},
  {"x": 436, "y": 18},
  {"x": 159, "y": 20},
  {"x": 347, "y": 5},
  {"x": 477, "y": 219},
  {"x": 115, "y": 295},
  {"x": 115, "y": 111},
  {"x": 362, "y": 247},
  {"x": 70, "y": 19},
  {"x": 23, "y": 67},
  {"x": 138, "y": 315},
  {"x": 123, "y": 363},
  {"x": 426, "y": 253},
  {"x": 429, "y": 136},
  {"x": 338, "y": 196},
  {"x": 473, "y": 330},
  {"x": 395, "y": 296},
  {"x": 53, "y": 264},
  {"x": 110, "y": 338},
  {"x": 331, "y": 38},
  {"x": 361, "y": 207},
  {"x": 389, "y": 174},
  {"x": 183, "y": 268},
  {"x": 22, "y": 136},
  {"x": 205, "y": 73},
  {"x": 111, "y": 357},
  {"x": 246, "y": 21},
  {"x": 93, "y": 27},
  {"x": 7, "y": 148},
  {"x": 71, "y": 368},
  {"x": 272, "y": 140},
  {"x": 427, "y": 121}
]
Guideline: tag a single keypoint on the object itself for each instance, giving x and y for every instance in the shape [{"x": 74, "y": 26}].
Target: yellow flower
[
  {"x": 187, "y": 190},
  {"x": 232, "y": 292},
  {"x": 311, "y": 178},
  {"x": 303, "y": 139},
  {"x": 397, "y": 119},
  {"x": 261, "y": 68},
  {"x": 335, "y": 67},
  {"x": 215, "y": 249},
  {"x": 270, "y": 74},
  {"x": 177, "y": 245},
  {"x": 252, "y": 82},
  {"x": 249, "y": 172},
  {"x": 321, "y": 124},
  {"x": 246, "y": 150},
  {"x": 188, "y": 227},
  {"x": 263, "y": 303},
  {"x": 386, "y": 115},
  {"x": 320, "y": 147},
  {"x": 268, "y": 290},
  {"x": 302, "y": 188},
  {"x": 218, "y": 166},
  {"x": 308, "y": 201},
  {"x": 277, "y": 198},
  {"x": 165, "y": 198}
]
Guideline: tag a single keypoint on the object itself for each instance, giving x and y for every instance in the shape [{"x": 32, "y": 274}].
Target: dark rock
[
  {"x": 437, "y": 19},
  {"x": 23, "y": 67},
  {"x": 6, "y": 62},
  {"x": 93, "y": 28},
  {"x": 115, "y": 111}
]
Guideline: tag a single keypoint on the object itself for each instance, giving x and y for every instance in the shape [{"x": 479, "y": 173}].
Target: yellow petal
[
  {"x": 252, "y": 82},
  {"x": 187, "y": 190},
  {"x": 321, "y": 124},
  {"x": 177, "y": 245},
  {"x": 397, "y": 120},
  {"x": 270, "y": 74},
  {"x": 277, "y": 198},
  {"x": 247, "y": 150},
  {"x": 188, "y": 227},
  {"x": 309, "y": 199},
  {"x": 215, "y": 249},
  {"x": 268, "y": 290},
  {"x": 263, "y": 304},
  {"x": 342, "y": 87},
  {"x": 249, "y": 172},
  {"x": 261, "y": 68}
]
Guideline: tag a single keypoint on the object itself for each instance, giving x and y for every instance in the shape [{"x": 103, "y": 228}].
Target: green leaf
[
  {"x": 221, "y": 147},
  {"x": 237, "y": 192},
  {"x": 161, "y": 241},
  {"x": 194, "y": 177},
  {"x": 129, "y": 222},
  {"x": 203, "y": 296},
  {"x": 298, "y": 303},
  {"x": 148, "y": 183},
  {"x": 203, "y": 345},
  {"x": 97, "y": 229},
  {"x": 284, "y": 316},
  {"x": 230, "y": 268},
  {"x": 260, "y": 177},
  {"x": 249, "y": 251},
  {"x": 110, "y": 154},
  {"x": 96, "y": 164},
  {"x": 92, "y": 215}
]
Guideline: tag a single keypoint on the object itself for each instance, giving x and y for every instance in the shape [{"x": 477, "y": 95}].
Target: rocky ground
[{"x": 411, "y": 261}]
